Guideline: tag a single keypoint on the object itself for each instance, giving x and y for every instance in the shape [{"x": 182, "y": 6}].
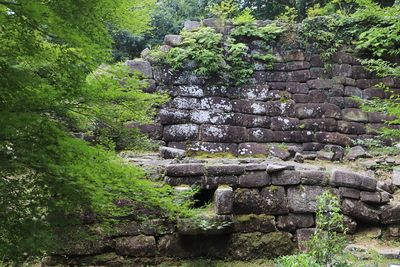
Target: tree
[{"x": 49, "y": 53}]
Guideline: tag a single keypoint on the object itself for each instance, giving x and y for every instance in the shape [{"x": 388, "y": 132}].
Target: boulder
[
  {"x": 171, "y": 153},
  {"x": 137, "y": 246}
]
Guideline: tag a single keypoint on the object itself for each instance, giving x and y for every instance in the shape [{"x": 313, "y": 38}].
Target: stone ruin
[{"x": 267, "y": 208}]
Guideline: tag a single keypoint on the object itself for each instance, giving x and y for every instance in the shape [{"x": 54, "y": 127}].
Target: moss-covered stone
[
  {"x": 253, "y": 223},
  {"x": 245, "y": 246}
]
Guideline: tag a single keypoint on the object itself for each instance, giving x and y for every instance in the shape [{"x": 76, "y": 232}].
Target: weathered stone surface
[
  {"x": 249, "y": 107},
  {"x": 254, "y": 223},
  {"x": 303, "y": 236},
  {"x": 360, "y": 211},
  {"x": 292, "y": 221},
  {"x": 208, "y": 224},
  {"x": 173, "y": 40},
  {"x": 355, "y": 152},
  {"x": 274, "y": 200},
  {"x": 351, "y": 127},
  {"x": 334, "y": 138},
  {"x": 377, "y": 117},
  {"x": 174, "y": 116},
  {"x": 180, "y": 132},
  {"x": 396, "y": 176},
  {"x": 349, "y": 192},
  {"x": 299, "y": 76},
  {"x": 138, "y": 246},
  {"x": 247, "y": 120},
  {"x": 342, "y": 70},
  {"x": 314, "y": 177},
  {"x": 353, "y": 114},
  {"x": 294, "y": 136},
  {"x": 191, "y": 25},
  {"x": 188, "y": 103},
  {"x": 254, "y": 179},
  {"x": 312, "y": 146},
  {"x": 185, "y": 169},
  {"x": 97, "y": 245},
  {"x": 353, "y": 91},
  {"x": 325, "y": 155},
  {"x": 285, "y": 177},
  {"x": 252, "y": 149},
  {"x": 253, "y": 92},
  {"x": 223, "y": 133},
  {"x": 391, "y": 214},
  {"x": 261, "y": 245},
  {"x": 247, "y": 201},
  {"x": 297, "y": 88},
  {"x": 185, "y": 180},
  {"x": 284, "y": 124},
  {"x": 298, "y": 157},
  {"x": 276, "y": 76},
  {"x": 216, "y": 104},
  {"x": 212, "y": 182},
  {"x": 223, "y": 200},
  {"x": 297, "y": 65},
  {"x": 212, "y": 148},
  {"x": 360, "y": 73},
  {"x": 370, "y": 197},
  {"x": 394, "y": 230},
  {"x": 306, "y": 111},
  {"x": 303, "y": 199},
  {"x": 170, "y": 153},
  {"x": 207, "y": 117},
  {"x": 337, "y": 151},
  {"x": 353, "y": 180},
  {"x": 260, "y": 135},
  {"x": 183, "y": 246},
  {"x": 279, "y": 152},
  {"x": 318, "y": 96},
  {"x": 280, "y": 108},
  {"x": 225, "y": 169},
  {"x": 139, "y": 67}
]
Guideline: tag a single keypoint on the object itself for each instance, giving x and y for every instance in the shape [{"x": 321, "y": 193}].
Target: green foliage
[
  {"x": 289, "y": 16},
  {"x": 52, "y": 87},
  {"x": 238, "y": 69},
  {"x": 326, "y": 246},
  {"x": 223, "y": 10}
]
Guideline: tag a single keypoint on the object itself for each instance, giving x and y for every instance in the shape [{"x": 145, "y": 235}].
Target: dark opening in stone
[{"x": 203, "y": 198}]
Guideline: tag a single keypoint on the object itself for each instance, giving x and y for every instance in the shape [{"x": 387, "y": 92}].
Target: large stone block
[
  {"x": 351, "y": 127},
  {"x": 207, "y": 117},
  {"x": 215, "y": 90},
  {"x": 294, "y": 136},
  {"x": 291, "y": 221},
  {"x": 353, "y": 180},
  {"x": 314, "y": 177},
  {"x": 303, "y": 199},
  {"x": 276, "y": 76},
  {"x": 254, "y": 179},
  {"x": 318, "y": 96},
  {"x": 223, "y": 133},
  {"x": 360, "y": 73},
  {"x": 212, "y": 148},
  {"x": 173, "y": 40},
  {"x": 274, "y": 200},
  {"x": 297, "y": 88},
  {"x": 252, "y": 149},
  {"x": 360, "y": 211},
  {"x": 284, "y": 124},
  {"x": 174, "y": 116},
  {"x": 183, "y": 246},
  {"x": 154, "y": 131},
  {"x": 335, "y": 138},
  {"x": 180, "y": 132},
  {"x": 352, "y": 114},
  {"x": 391, "y": 214},
  {"x": 320, "y": 84},
  {"x": 298, "y": 65},
  {"x": 345, "y": 70},
  {"x": 254, "y": 223},
  {"x": 328, "y": 125},
  {"x": 260, "y": 135},
  {"x": 249, "y": 107},
  {"x": 247, "y": 120},
  {"x": 189, "y": 103},
  {"x": 245, "y": 246},
  {"x": 253, "y": 92},
  {"x": 299, "y": 76},
  {"x": 223, "y": 200},
  {"x": 212, "y": 182},
  {"x": 247, "y": 201},
  {"x": 371, "y": 93},
  {"x": 280, "y": 108},
  {"x": 184, "y": 91},
  {"x": 228, "y": 169},
  {"x": 307, "y": 111},
  {"x": 185, "y": 169},
  {"x": 139, "y": 67},
  {"x": 137, "y": 246},
  {"x": 216, "y": 103},
  {"x": 185, "y": 180},
  {"x": 286, "y": 177}
]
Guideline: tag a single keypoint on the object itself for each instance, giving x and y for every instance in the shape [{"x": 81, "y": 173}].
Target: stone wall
[
  {"x": 260, "y": 209},
  {"x": 299, "y": 100}
]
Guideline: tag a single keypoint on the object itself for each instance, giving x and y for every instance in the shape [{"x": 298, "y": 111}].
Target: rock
[
  {"x": 254, "y": 179},
  {"x": 393, "y": 253},
  {"x": 337, "y": 151},
  {"x": 298, "y": 157},
  {"x": 391, "y": 214},
  {"x": 223, "y": 200},
  {"x": 173, "y": 40},
  {"x": 191, "y": 25},
  {"x": 183, "y": 246},
  {"x": 285, "y": 177},
  {"x": 139, "y": 67},
  {"x": 314, "y": 177},
  {"x": 138, "y": 246},
  {"x": 356, "y": 152},
  {"x": 225, "y": 169},
  {"x": 275, "y": 168},
  {"x": 303, "y": 199},
  {"x": 274, "y": 200},
  {"x": 353, "y": 180},
  {"x": 246, "y": 246},
  {"x": 247, "y": 201},
  {"x": 254, "y": 223},
  {"x": 303, "y": 236},
  {"x": 279, "y": 152},
  {"x": 325, "y": 155},
  {"x": 205, "y": 224},
  {"x": 360, "y": 211},
  {"x": 396, "y": 176},
  {"x": 293, "y": 221},
  {"x": 185, "y": 169},
  {"x": 170, "y": 153}
]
